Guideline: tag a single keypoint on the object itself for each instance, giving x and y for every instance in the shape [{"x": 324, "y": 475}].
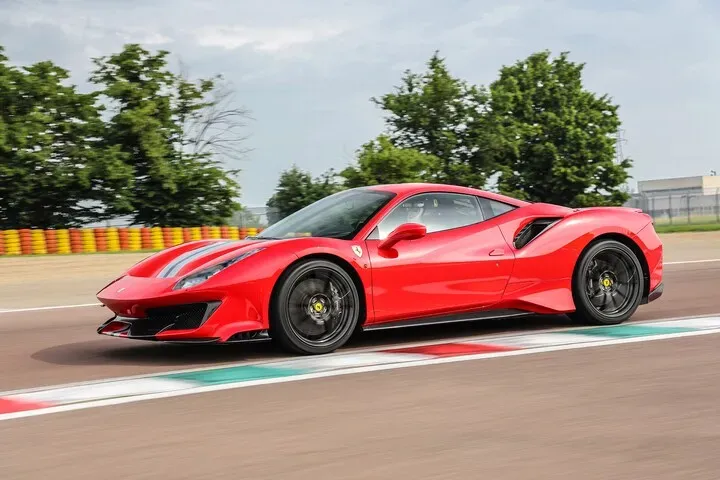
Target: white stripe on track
[
  {"x": 688, "y": 262},
  {"x": 54, "y": 307}
]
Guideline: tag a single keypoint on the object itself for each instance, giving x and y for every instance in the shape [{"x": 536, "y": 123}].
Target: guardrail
[{"x": 110, "y": 239}]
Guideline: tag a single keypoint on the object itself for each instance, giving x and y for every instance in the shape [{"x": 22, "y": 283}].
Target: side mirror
[{"x": 406, "y": 231}]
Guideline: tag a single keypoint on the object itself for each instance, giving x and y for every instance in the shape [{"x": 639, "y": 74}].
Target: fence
[
  {"x": 112, "y": 239},
  {"x": 672, "y": 209}
]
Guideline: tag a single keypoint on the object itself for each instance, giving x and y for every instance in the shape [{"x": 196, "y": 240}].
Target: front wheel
[
  {"x": 316, "y": 309},
  {"x": 608, "y": 284}
]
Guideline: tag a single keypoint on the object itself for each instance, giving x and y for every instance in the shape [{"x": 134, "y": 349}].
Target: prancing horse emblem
[{"x": 357, "y": 250}]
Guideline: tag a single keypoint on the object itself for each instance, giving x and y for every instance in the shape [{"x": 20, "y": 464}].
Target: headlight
[{"x": 199, "y": 277}]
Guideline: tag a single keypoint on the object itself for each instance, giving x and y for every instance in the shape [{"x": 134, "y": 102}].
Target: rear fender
[
  {"x": 542, "y": 277},
  {"x": 556, "y": 251}
]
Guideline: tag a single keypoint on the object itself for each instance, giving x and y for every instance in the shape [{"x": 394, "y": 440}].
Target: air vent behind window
[{"x": 530, "y": 231}]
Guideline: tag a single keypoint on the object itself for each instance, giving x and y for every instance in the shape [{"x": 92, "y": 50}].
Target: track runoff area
[{"x": 78, "y": 396}]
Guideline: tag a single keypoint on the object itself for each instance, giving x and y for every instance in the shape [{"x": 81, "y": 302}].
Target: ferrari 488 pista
[{"x": 389, "y": 256}]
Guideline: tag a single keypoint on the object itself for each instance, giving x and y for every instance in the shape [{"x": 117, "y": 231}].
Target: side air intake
[{"x": 530, "y": 231}]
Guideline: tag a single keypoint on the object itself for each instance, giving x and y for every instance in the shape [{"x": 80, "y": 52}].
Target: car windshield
[{"x": 341, "y": 215}]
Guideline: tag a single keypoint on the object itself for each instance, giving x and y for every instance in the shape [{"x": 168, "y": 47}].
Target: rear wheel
[
  {"x": 316, "y": 309},
  {"x": 608, "y": 284}
]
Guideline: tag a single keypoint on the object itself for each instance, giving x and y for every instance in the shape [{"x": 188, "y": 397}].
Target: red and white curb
[{"x": 63, "y": 398}]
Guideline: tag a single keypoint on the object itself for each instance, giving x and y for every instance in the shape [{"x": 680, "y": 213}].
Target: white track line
[
  {"x": 349, "y": 371},
  {"x": 54, "y": 307},
  {"x": 687, "y": 262}
]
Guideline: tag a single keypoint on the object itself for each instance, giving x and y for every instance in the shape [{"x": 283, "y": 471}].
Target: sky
[{"x": 306, "y": 70}]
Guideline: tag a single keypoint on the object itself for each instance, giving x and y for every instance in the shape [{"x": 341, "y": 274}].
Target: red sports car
[{"x": 390, "y": 256}]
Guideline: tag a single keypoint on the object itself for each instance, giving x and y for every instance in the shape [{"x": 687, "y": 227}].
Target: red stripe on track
[
  {"x": 8, "y": 405},
  {"x": 453, "y": 349}
]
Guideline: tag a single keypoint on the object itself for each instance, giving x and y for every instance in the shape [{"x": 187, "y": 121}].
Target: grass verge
[{"x": 687, "y": 227}]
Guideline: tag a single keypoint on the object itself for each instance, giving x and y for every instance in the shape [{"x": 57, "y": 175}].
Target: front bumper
[
  {"x": 149, "y": 309},
  {"x": 174, "y": 321},
  {"x": 208, "y": 322}
]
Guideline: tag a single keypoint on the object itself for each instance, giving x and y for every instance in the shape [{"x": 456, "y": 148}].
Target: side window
[
  {"x": 493, "y": 208},
  {"x": 437, "y": 211}
]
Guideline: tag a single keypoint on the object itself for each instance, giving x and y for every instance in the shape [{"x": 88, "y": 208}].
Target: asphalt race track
[{"x": 638, "y": 410}]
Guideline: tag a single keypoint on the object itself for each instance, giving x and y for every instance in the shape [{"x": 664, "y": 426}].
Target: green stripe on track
[
  {"x": 239, "y": 374},
  {"x": 620, "y": 331}
]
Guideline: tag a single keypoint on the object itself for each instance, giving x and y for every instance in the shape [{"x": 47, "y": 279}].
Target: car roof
[{"x": 416, "y": 188}]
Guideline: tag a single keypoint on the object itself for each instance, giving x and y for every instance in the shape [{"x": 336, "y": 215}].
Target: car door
[{"x": 462, "y": 263}]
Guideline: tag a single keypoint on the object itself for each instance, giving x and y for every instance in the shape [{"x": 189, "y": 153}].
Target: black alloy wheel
[
  {"x": 608, "y": 284},
  {"x": 316, "y": 308}
]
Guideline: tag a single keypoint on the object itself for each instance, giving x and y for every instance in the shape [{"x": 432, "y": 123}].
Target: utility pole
[
  {"x": 619, "y": 157},
  {"x": 619, "y": 140}
]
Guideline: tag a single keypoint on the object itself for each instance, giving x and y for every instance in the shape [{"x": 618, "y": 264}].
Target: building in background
[{"x": 680, "y": 200}]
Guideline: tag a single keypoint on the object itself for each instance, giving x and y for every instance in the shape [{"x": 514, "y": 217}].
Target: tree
[
  {"x": 54, "y": 170},
  {"x": 438, "y": 114},
  {"x": 211, "y": 120},
  {"x": 297, "y": 189},
  {"x": 381, "y": 162},
  {"x": 562, "y": 136},
  {"x": 173, "y": 185}
]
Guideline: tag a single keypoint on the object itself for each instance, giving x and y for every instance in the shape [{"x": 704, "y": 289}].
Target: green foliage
[
  {"x": 687, "y": 227},
  {"x": 546, "y": 137},
  {"x": 378, "y": 162},
  {"x": 156, "y": 158},
  {"x": 151, "y": 105},
  {"x": 536, "y": 127},
  {"x": 158, "y": 155},
  {"x": 381, "y": 162},
  {"x": 440, "y": 115},
  {"x": 563, "y": 149},
  {"x": 54, "y": 169},
  {"x": 297, "y": 189}
]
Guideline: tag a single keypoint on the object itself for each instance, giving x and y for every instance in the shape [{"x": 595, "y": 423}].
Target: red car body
[{"x": 471, "y": 272}]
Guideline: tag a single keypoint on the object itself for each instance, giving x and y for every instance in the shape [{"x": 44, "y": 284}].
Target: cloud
[
  {"x": 261, "y": 39},
  {"x": 144, "y": 37},
  {"x": 89, "y": 28}
]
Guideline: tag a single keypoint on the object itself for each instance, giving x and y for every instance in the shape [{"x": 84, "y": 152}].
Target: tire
[
  {"x": 607, "y": 285},
  {"x": 316, "y": 308}
]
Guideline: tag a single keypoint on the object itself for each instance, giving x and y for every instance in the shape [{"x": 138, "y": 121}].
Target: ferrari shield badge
[{"x": 357, "y": 250}]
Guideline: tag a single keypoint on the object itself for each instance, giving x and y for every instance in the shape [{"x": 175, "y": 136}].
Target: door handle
[{"x": 497, "y": 252}]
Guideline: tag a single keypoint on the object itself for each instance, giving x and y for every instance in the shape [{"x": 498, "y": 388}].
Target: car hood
[{"x": 189, "y": 257}]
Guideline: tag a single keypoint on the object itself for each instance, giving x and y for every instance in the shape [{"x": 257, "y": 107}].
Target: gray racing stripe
[{"x": 172, "y": 268}]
